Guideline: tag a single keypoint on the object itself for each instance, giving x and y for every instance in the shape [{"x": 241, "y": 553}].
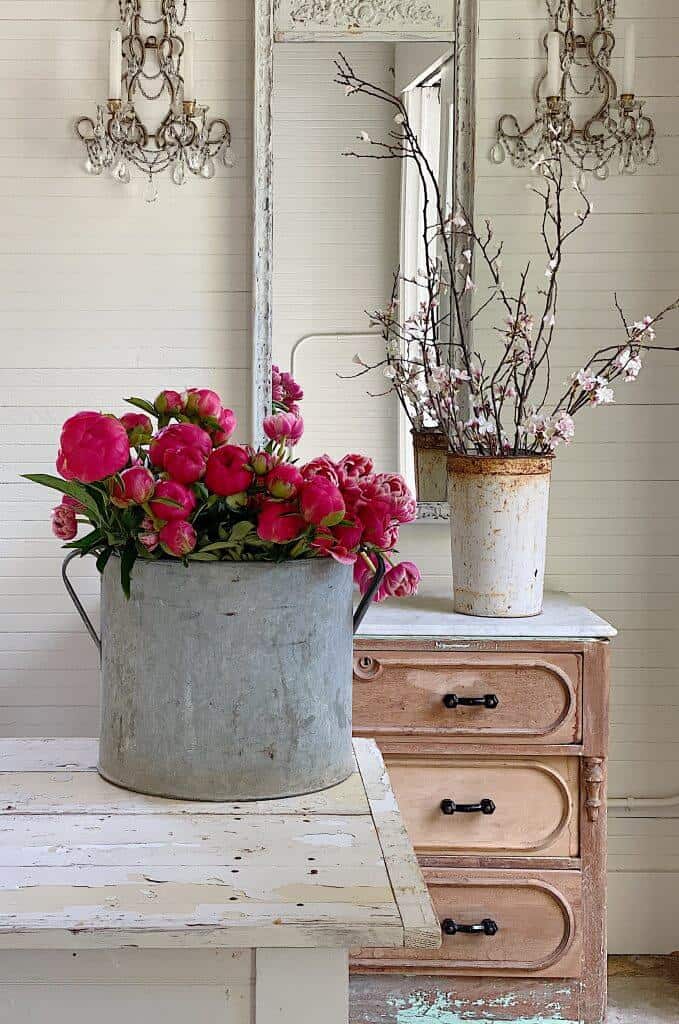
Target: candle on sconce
[
  {"x": 629, "y": 71},
  {"x": 188, "y": 67},
  {"x": 553, "y": 64},
  {"x": 115, "y": 65}
]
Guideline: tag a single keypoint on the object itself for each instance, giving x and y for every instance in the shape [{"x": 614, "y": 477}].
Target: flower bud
[
  {"x": 169, "y": 403},
  {"x": 178, "y": 538},
  {"x": 138, "y": 426}
]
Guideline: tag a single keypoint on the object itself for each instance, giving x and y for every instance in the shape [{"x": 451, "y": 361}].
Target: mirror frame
[{"x": 464, "y": 35}]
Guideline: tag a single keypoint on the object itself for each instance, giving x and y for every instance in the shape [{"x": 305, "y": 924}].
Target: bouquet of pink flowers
[{"x": 179, "y": 488}]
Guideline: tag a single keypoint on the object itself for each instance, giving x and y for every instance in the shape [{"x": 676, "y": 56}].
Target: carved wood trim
[
  {"x": 593, "y": 776},
  {"x": 363, "y": 14}
]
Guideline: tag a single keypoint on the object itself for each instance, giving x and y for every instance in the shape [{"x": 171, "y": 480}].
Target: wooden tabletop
[{"x": 84, "y": 864}]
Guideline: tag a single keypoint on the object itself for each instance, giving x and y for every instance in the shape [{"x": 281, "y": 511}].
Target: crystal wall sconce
[
  {"x": 148, "y": 59},
  {"x": 579, "y": 110}
]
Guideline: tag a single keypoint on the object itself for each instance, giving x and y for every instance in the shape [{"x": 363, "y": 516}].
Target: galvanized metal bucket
[
  {"x": 498, "y": 522},
  {"x": 226, "y": 681}
]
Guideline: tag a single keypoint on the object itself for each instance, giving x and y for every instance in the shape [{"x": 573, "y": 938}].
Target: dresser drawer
[
  {"x": 529, "y": 698},
  {"x": 536, "y": 925},
  {"x": 533, "y": 809}
]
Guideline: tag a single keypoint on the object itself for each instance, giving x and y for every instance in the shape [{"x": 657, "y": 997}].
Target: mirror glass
[{"x": 343, "y": 225}]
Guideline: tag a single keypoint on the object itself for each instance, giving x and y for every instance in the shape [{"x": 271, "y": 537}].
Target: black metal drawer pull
[
  {"x": 485, "y": 806},
  {"x": 486, "y": 927},
  {"x": 489, "y": 700}
]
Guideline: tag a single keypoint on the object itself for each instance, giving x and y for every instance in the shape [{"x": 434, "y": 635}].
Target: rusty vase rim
[
  {"x": 500, "y": 465},
  {"x": 429, "y": 437}
]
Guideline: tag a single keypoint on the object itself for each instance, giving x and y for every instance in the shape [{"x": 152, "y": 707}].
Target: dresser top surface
[
  {"x": 86, "y": 864},
  {"x": 430, "y": 614}
]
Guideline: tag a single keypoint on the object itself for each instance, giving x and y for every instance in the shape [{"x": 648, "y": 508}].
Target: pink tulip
[
  {"x": 183, "y": 501},
  {"x": 284, "y": 427},
  {"x": 178, "y": 538},
  {"x": 355, "y": 465},
  {"x": 280, "y": 522},
  {"x": 321, "y": 503},
  {"x": 92, "y": 447},
  {"x": 400, "y": 581},
  {"x": 284, "y": 481},
  {"x": 203, "y": 403},
  {"x": 138, "y": 426},
  {"x": 227, "y": 427},
  {"x": 73, "y": 503},
  {"x": 64, "y": 525},
  {"x": 227, "y": 471},
  {"x": 363, "y": 575},
  {"x": 340, "y": 543},
  {"x": 169, "y": 403},
  {"x": 176, "y": 437},
  {"x": 322, "y": 465},
  {"x": 135, "y": 486}
]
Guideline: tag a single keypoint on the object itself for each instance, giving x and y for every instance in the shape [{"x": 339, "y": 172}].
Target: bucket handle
[
  {"x": 76, "y": 600},
  {"x": 367, "y": 598},
  {"x": 359, "y": 614}
]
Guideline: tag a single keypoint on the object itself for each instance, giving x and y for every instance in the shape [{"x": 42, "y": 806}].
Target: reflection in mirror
[{"x": 342, "y": 228}]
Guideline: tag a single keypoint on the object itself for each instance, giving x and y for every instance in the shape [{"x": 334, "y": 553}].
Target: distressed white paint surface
[
  {"x": 87, "y": 865},
  {"x": 431, "y": 614}
]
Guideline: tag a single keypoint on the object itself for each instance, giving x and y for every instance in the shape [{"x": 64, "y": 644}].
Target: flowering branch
[{"x": 441, "y": 382}]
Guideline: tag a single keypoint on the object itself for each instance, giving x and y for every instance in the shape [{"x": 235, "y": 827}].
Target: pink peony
[
  {"x": 177, "y": 538},
  {"x": 279, "y": 522},
  {"x": 321, "y": 503},
  {"x": 92, "y": 447},
  {"x": 64, "y": 525},
  {"x": 375, "y": 517},
  {"x": 186, "y": 465},
  {"x": 169, "y": 403},
  {"x": 262, "y": 462},
  {"x": 227, "y": 427},
  {"x": 176, "y": 437},
  {"x": 227, "y": 471},
  {"x": 284, "y": 427},
  {"x": 134, "y": 487},
  {"x": 73, "y": 503},
  {"x": 404, "y": 505},
  {"x": 400, "y": 581},
  {"x": 340, "y": 543},
  {"x": 203, "y": 403},
  {"x": 150, "y": 540},
  {"x": 355, "y": 465},
  {"x": 321, "y": 466},
  {"x": 138, "y": 426},
  {"x": 284, "y": 481},
  {"x": 183, "y": 501}
]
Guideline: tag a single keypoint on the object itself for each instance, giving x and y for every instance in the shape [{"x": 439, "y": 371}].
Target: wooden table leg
[{"x": 301, "y": 986}]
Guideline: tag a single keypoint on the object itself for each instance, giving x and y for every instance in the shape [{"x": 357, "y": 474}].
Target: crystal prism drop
[
  {"x": 89, "y": 166},
  {"x": 601, "y": 172},
  {"x": 124, "y": 175},
  {"x": 179, "y": 172},
  {"x": 497, "y": 153},
  {"x": 150, "y": 192},
  {"x": 653, "y": 158},
  {"x": 208, "y": 169},
  {"x": 583, "y": 181},
  {"x": 227, "y": 157}
]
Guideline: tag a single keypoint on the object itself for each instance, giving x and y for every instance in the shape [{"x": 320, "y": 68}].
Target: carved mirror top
[{"x": 294, "y": 19}]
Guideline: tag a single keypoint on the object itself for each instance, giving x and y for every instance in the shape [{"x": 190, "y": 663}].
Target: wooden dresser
[{"x": 495, "y": 735}]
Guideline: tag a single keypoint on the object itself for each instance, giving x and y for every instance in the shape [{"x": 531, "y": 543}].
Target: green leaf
[
  {"x": 220, "y": 545},
  {"x": 86, "y": 544},
  {"x": 202, "y": 556},
  {"x": 167, "y": 501},
  {"x": 141, "y": 403},
  {"x": 127, "y": 559},
  {"x": 103, "y": 558},
  {"x": 70, "y": 487},
  {"x": 242, "y": 530}
]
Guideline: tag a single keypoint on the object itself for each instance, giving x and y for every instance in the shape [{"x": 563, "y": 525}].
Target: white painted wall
[{"x": 101, "y": 296}]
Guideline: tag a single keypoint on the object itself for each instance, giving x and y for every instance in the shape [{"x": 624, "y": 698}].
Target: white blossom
[
  {"x": 365, "y": 137},
  {"x": 469, "y": 285},
  {"x": 389, "y": 372},
  {"x": 603, "y": 395}
]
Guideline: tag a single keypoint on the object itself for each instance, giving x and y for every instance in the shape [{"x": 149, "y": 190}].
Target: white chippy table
[{"x": 116, "y": 906}]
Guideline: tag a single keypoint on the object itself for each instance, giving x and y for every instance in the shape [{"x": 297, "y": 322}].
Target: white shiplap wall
[
  {"x": 615, "y": 501},
  {"x": 101, "y": 296},
  {"x": 335, "y": 243}
]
